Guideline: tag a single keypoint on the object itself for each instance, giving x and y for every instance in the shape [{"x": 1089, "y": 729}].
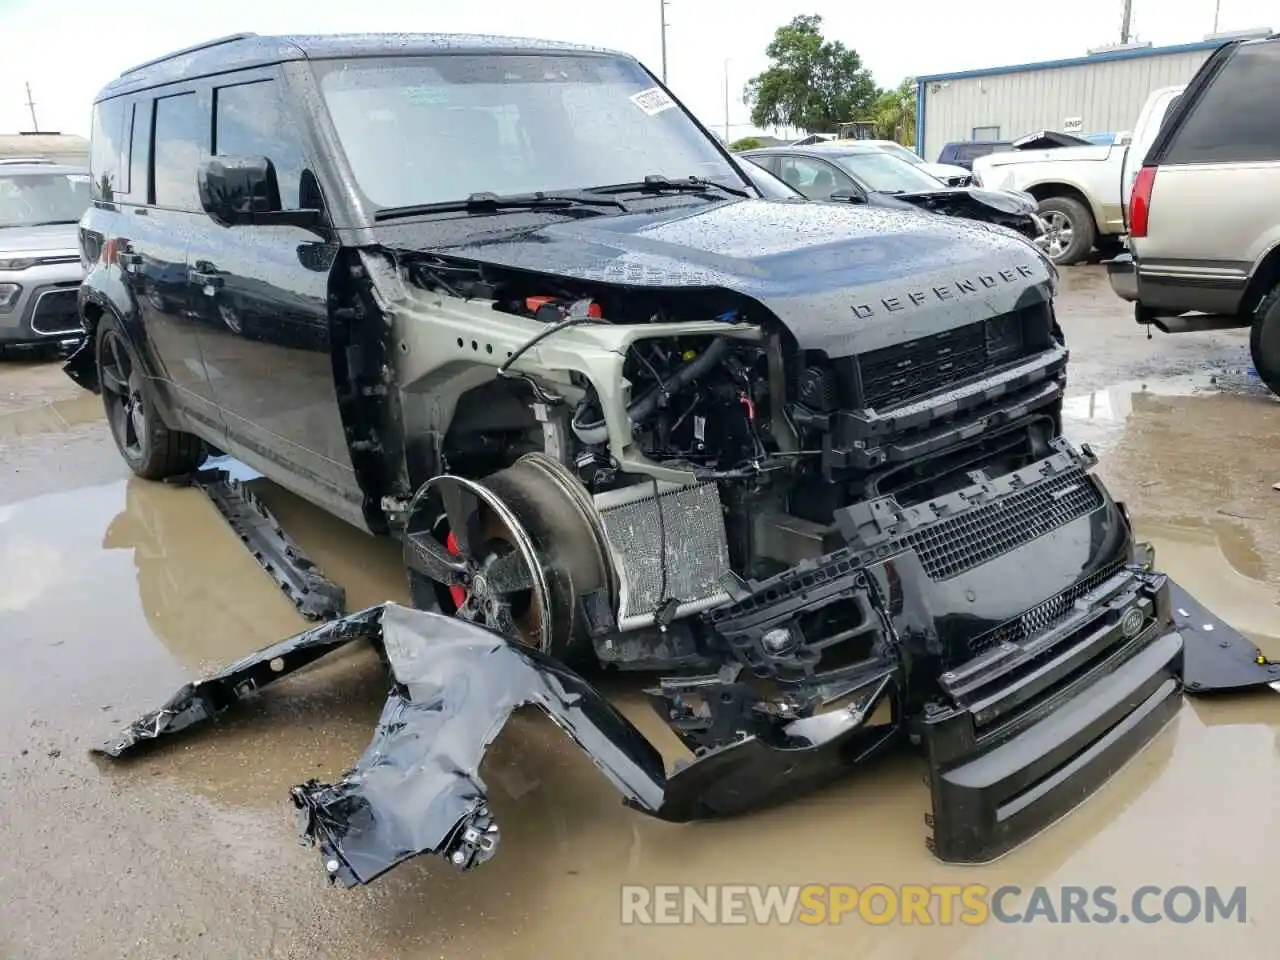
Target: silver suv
[
  {"x": 1204, "y": 214},
  {"x": 40, "y": 206}
]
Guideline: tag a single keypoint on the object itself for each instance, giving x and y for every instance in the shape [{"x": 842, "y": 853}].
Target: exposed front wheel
[
  {"x": 1069, "y": 230},
  {"x": 150, "y": 448},
  {"x": 1264, "y": 340}
]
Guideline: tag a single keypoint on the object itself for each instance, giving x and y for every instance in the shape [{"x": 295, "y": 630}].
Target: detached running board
[{"x": 315, "y": 596}]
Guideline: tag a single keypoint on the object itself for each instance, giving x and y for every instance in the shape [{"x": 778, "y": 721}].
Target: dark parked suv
[{"x": 510, "y": 303}]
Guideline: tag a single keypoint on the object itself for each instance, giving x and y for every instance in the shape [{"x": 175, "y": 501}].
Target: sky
[{"x": 68, "y": 50}]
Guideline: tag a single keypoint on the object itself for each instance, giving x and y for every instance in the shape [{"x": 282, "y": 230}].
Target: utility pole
[
  {"x": 1217, "y": 8},
  {"x": 726, "y": 99},
  {"x": 1124, "y": 24},
  {"x": 31, "y": 105},
  {"x": 662, "y": 10}
]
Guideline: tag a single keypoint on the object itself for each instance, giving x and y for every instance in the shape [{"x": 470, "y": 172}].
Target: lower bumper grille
[
  {"x": 962, "y": 542},
  {"x": 56, "y": 312}
]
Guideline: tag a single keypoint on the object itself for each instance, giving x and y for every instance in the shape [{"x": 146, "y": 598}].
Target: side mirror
[
  {"x": 244, "y": 190},
  {"x": 235, "y": 189},
  {"x": 848, "y": 196}
]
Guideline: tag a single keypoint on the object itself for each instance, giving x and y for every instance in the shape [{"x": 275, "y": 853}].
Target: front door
[{"x": 262, "y": 294}]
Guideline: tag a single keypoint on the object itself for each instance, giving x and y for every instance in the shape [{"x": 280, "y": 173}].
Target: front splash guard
[{"x": 416, "y": 789}]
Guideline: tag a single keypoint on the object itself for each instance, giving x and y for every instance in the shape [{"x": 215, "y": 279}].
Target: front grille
[
  {"x": 1045, "y": 615},
  {"x": 907, "y": 371},
  {"x": 959, "y": 543},
  {"x": 56, "y": 312}
]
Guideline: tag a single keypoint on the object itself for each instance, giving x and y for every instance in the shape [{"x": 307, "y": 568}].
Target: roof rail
[{"x": 230, "y": 38}]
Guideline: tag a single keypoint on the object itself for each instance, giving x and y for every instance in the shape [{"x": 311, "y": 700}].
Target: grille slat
[
  {"x": 952, "y": 546},
  {"x": 1047, "y": 614},
  {"x": 906, "y": 371}
]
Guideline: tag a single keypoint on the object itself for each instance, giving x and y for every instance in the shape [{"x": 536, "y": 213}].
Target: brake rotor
[
  {"x": 517, "y": 552},
  {"x": 486, "y": 562}
]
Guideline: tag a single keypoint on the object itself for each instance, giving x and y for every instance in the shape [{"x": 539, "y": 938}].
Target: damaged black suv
[{"x": 511, "y": 304}]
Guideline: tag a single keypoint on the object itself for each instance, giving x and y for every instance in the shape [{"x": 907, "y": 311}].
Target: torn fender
[{"x": 417, "y": 787}]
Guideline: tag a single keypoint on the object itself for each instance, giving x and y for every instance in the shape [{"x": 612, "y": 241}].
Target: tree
[
  {"x": 746, "y": 143},
  {"x": 894, "y": 113},
  {"x": 812, "y": 83}
]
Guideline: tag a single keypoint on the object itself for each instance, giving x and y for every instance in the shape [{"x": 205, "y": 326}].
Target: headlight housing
[
  {"x": 9, "y": 293},
  {"x": 22, "y": 263}
]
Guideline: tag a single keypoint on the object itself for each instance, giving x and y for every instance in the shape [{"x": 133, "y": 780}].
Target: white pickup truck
[{"x": 1078, "y": 188}]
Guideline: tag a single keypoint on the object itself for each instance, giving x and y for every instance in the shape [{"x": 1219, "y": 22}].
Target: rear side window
[
  {"x": 252, "y": 121},
  {"x": 181, "y": 142},
  {"x": 106, "y": 139},
  {"x": 1238, "y": 116},
  {"x": 140, "y": 151}
]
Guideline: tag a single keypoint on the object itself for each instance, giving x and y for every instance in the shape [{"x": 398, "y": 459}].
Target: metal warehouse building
[{"x": 1100, "y": 93}]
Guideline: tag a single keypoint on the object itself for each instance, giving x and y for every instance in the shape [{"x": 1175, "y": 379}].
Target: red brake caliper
[{"x": 458, "y": 593}]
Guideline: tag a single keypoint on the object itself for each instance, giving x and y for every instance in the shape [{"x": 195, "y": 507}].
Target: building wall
[{"x": 1106, "y": 95}]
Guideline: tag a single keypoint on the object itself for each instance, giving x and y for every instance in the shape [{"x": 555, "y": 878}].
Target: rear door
[
  {"x": 261, "y": 292},
  {"x": 151, "y": 197},
  {"x": 1214, "y": 210}
]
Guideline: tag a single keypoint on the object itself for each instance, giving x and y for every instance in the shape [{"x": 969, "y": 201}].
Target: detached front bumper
[{"x": 1029, "y": 729}]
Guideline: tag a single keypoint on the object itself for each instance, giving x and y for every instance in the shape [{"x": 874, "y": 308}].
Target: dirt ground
[{"x": 114, "y": 591}]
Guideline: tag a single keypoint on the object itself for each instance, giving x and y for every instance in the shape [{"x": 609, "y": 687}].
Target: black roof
[{"x": 245, "y": 50}]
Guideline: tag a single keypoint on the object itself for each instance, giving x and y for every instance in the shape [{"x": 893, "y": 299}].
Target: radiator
[{"x": 695, "y": 551}]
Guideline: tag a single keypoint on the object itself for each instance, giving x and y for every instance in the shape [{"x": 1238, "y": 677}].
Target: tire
[
  {"x": 1264, "y": 340},
  {"x": 151, "y": 449},
  {"x": 1070, "y": 222}
]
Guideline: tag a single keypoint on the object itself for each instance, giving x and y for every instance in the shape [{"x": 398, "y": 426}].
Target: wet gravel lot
[{"x": 114, "y": 591}]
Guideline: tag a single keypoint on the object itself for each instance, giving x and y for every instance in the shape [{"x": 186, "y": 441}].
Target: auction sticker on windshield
[{"x": 652, "y": 101}]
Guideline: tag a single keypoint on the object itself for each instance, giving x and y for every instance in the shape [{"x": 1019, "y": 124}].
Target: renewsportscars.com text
[{"x": 929, "y": 904}]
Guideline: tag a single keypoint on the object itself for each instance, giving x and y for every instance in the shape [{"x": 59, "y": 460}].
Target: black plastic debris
[
  {"x": 417, "y": 788},
  {"x": 205, "y": 699},
  {"x": 315, "y": 596}
]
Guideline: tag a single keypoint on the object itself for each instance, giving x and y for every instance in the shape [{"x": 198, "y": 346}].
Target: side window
[
  {"x": 140, "y": 151},
  {"x": 105, "y": 141},
  {"x": 768, "y": 161},
  {"x": 816, "y": 180},
  {"x": 1238, "y": 116},
  {"x": 251, "y": 121},
  {"x": 181, "y": 142}
]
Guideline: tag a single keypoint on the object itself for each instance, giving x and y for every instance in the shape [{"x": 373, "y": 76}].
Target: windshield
[
  {"x": 886, "y": 174},
  {"x": 420, "y": 130},
  {"x": 30, "y": 199},
  {"x": 901, "y": 152}
]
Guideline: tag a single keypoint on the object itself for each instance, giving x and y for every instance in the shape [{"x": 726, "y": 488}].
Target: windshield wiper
[
  {"x": 657, "y": 183},
  {"x": 488, "y": 202}
]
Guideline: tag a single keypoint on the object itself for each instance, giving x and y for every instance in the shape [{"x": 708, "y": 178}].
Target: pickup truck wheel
[
  {"x": 1069, "y": 232},
  {"x": 151, "y": 449},
  {"x": 1264, "y": 340}
]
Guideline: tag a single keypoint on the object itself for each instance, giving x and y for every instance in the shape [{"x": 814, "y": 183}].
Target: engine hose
[{"x": 647, "y": 405}]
